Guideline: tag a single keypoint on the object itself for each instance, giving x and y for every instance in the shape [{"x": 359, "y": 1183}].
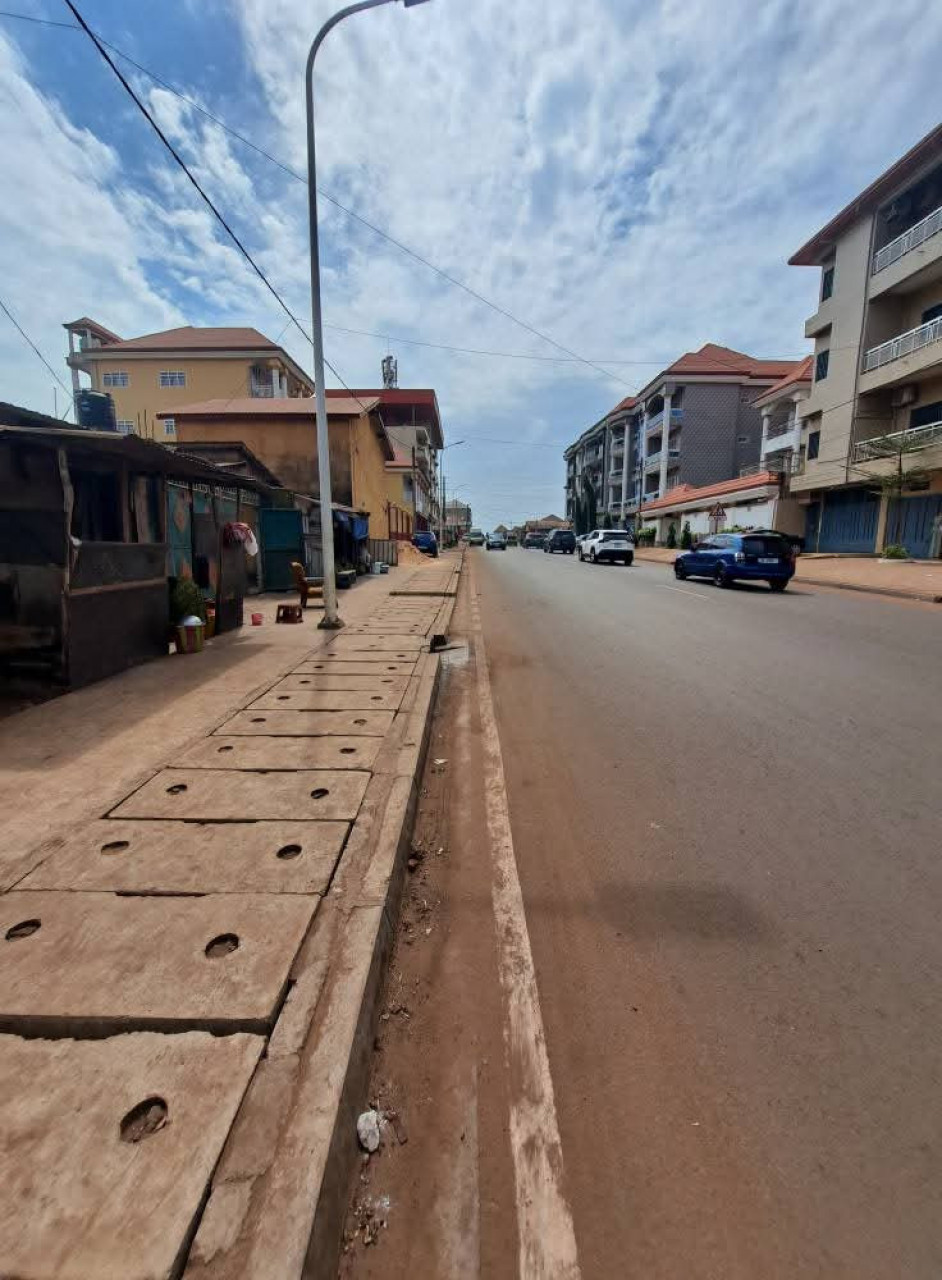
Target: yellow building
[
  {"x": 154, "y": 374},
  {"x": 282, "y": 434}
]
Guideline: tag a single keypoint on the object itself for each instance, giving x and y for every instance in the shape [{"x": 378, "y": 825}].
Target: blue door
[
  {"x": 848, "y": 521},
  {"x": 911, "y": 521},
  {"x": 282, "y": 541}
]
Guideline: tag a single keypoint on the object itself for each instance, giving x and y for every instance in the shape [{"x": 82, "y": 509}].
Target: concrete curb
[
  {"x": 923, "y": 597},
  {"x": 279, "y": 1195}
]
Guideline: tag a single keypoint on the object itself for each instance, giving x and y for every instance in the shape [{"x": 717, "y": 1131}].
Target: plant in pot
[{"x": 186, "y": 604}]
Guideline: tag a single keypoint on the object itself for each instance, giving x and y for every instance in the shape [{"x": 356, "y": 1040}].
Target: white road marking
[
  {"x": 546, "y": 1236},
  {"x": 682, "y": 591}
]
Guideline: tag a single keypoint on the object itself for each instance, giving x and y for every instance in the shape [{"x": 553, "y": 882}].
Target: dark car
[
  {"x": 534, "y": 540},
  {"x": 561, "y": 540},
  {"x": 740, "y": 557},
  {"x": 426, "y": 541}
]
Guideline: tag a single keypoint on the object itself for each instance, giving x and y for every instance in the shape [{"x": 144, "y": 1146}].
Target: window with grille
[
  {"x": 172, "y": 378},
  {"x": 116, "y": 379}
]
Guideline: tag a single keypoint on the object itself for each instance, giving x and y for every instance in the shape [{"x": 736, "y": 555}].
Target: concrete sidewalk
[
  {"x": 200, "y": 861},
  {"x": 915, "y": 580}
]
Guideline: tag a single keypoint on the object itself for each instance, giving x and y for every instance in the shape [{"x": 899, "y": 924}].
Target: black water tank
[{"x": 94, "y": 410}]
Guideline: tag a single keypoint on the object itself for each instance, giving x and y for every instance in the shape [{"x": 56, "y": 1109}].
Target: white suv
[{"x": 607, "y": 544}]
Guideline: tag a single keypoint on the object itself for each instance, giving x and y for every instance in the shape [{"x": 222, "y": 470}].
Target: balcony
[
  {"x": 657, "y": 422},
  {"x": 653, "y": 460},
  {"x": 902, "y": 357},
  {"x": 886, "y": 446},
  {"x": 909, "y": 240},
  {"x": 785, "y": 438}
]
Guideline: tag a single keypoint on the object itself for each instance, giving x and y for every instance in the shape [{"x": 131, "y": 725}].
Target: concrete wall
[
  {"x": 370, "y": 478},
  {"x": 708, "y": 435},
  {"x": 286, "y": 445},
  {"x": 210, "y": 378},
  {"x": 783, "y": 514}
]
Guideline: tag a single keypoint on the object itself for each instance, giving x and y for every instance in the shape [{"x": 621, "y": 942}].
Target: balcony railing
[
  {"x": 911, "y": 239},
  {"x": 657, "y": 422},
  {"x": 653, "y": 460},
  {"x": 887, "y": 446},
  {"x": 903, "y": 345}
]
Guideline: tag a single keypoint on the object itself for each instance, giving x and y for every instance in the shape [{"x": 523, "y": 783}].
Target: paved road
[{"x": 725, "y": 808}]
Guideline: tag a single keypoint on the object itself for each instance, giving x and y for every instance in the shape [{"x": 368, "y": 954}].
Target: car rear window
[
  {"x": 614, "y": 535},
  {"x": 765, "y": 546}
]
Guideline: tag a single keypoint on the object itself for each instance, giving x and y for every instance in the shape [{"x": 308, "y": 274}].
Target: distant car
[
  {"x": 740, "y": 557},
  {"x": 560, "y": 540},
  {"x": 603, "y": 545},
  {"x": 495, "y": 542},
  {"x": 512, "y": 540},
  {"x": 475, "y": 538},
  {"x": 534, "y": 539},
  {"x": 426, "y": 541}
]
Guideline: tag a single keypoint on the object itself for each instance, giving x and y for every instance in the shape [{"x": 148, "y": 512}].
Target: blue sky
[{"x": 627, "y": 178}]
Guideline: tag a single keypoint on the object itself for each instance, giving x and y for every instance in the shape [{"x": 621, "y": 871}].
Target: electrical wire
[{"x": 28, "y": 340}]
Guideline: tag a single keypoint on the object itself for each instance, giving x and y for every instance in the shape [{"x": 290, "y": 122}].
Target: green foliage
[
  {"x": 672, "y": 535},
  {"x": 686, "y": 537},
  {"x": 646, "y": 537},
  {"x": 895, "y": 551},
  {"x": 186, "y": 599},
  {"x": 607, "y": 521}
]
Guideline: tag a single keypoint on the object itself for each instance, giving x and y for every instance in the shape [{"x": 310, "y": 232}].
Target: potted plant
[{"x": 188, "y": 611}]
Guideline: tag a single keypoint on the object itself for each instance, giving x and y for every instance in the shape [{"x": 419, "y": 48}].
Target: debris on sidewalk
[{"x": 368, "y": 1131}]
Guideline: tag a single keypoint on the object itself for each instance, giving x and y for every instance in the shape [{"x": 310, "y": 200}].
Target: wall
[
  {"x": 370, "y": 478},
  {"x": 783, "y": 514},
  {"x": 748, "y": 424},
  {"x": 287, "y": 445},
  {"x": 210, "y": 378},
  {"x": 708, "y": 434},
  {"x": 32, "y": 548}
]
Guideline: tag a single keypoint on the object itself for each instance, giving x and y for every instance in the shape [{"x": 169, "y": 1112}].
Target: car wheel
[
  {"x": 680, "y": 573},
  {"x": 779, "y": 584},
  {"x": 580, "y": 555},
  {"x": 629, "y": 560},
  {"x": 721, "y": 577}
]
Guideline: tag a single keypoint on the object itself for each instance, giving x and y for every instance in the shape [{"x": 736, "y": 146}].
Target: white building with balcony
[{"x": 876, "y": 393}]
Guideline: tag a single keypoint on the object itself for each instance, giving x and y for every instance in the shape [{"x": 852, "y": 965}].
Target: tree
[
  {"x": 606, "y": 521},
  {"x": 686, "y": 537},
  {"x": 672, "y": 535},
  {"x": 896, "y": 448}
]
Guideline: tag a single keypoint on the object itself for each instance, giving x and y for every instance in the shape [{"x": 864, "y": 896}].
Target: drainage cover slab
[
  {"x": 228, "y": 795},
  {"x": 347, "y": 644},
  {"x": 329, "y": 700},
  {"x": 107, "y": 1148},
  {"x": 295, "y": 724},
  {"x": 377, "y": 681},
  {"x": 96, "y": 961},
  {"x": 371, "y": 667},
  {"x": 221, "y": 752},
  {"x": 184, "y": 857}
]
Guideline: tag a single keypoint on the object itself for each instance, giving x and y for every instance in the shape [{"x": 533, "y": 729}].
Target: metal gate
[
  {"x": 911, "y": 521},
  {"x": 848, "y": 521},
  {"x": 282, "y": 541}
]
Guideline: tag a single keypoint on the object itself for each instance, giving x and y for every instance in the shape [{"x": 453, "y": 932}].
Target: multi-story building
[
  {"x": 457, "y": 519},
  {"x": 876, "y": 400},
  {"x": 152, "y": 374},
  {"x": 695, "y": 423}
]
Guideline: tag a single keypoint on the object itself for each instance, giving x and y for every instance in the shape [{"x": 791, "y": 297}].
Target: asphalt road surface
[{"x": 726, "y": 814}]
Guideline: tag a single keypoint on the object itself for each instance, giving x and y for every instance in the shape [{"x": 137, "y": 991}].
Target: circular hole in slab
[
  {"x": 305, "y": 682},
  {"x": 144, "y": 1120},
  {"x": 176, "y": 789},
  {"x": 377, "y": 697},
  {"x": 288, "y": 851},
  {"x": 319, "y": 792},
  {"x": 387, "y": 681},
  {"x": 223, "y": 945},
  {"x": 116, "y": 846},
  {"x": 283, "y": 697},
  {"x": 347, "y": 751},
  {"x": 360, "y": 721},
  {"x": 220, "y": 750},
  {"x": 258, "y": 719},
  {"x": 25, "y": 929}
]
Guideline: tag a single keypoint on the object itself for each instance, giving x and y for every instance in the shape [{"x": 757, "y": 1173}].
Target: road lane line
[
  {"x": 683, "y": 592},
  {"x": 546, "y": 1236}
]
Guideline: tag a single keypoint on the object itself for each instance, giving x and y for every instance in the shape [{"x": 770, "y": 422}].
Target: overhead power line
[{"x": 28, "y": 340}]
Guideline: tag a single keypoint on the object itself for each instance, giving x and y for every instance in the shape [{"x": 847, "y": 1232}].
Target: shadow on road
[{"x": 704, "y": 911}]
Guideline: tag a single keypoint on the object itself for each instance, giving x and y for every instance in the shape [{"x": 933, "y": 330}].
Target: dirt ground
[{"x": 439, "y": 1074}]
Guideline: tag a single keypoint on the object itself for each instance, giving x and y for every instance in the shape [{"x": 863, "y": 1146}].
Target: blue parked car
[
  {"x": 426, "y": 541},
  {"x": 740, "y": 557}
]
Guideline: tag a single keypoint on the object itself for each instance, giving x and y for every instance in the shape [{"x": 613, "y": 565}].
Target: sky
[{"x": 627, "y": 178}]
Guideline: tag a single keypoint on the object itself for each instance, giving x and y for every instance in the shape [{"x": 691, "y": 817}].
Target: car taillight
[{"x": 740, "y": 557}]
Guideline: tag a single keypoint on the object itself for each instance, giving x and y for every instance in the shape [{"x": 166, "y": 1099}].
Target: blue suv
[
  {"x": 426, "y": 541},
  {"x": 740, "y": 557}
]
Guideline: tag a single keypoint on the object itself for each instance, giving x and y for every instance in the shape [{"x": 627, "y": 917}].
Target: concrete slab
[
  {"x": 78, "y": 1202},
  {"x": 185, "y": 857},
  {"x": 328, "y": 700},
  {"x": 299, "y": 724},
  {"x": 355, "y": 668},
  {"x": 222, "y": 795},
  {"x": 370, "y": 655},
  {"x": 221, "y": 752},
  {"x": 401, "y": 645},
  {"x": 378, "y": 681},
  {"x": 96, "y": 963}
]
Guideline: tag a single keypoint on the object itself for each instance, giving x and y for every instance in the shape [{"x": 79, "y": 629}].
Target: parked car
[
  {"x": 475, "y": 538},
  {"x": 740, "y": 557},
  {"x": 495, "y": 542},
  {"x": 512, "y": 540},
  {"x": 426, "y": 541},
  {"x": 534, "y": 539},
  {"x": 560, "y": 540},
  {"x": 607, "y": 545}
]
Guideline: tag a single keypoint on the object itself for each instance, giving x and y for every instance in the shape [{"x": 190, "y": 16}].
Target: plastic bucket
[
  {"x": 190, "y": 638},
  {"x": 256, "y": 619}
]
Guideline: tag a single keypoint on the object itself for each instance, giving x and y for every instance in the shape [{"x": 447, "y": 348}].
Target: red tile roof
[
  {"x": 190, "y": 338},
  {"x": 714, "y": 359},
  {"x": 400, "y": 397},
  {"x": 86, "y": 322},
  {"x": 629, "y": 402},
  {"x": 690, "y": 493},
  {"x": 801, "y": 373}
]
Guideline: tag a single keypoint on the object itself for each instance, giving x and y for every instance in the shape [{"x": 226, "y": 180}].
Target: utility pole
[{"x": 415, "y": 505}]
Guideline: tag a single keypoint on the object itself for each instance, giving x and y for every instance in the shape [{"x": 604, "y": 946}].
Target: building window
[
  {"x": 932, "y": 313},
  {"x": 821, "y": 365},
  {"x": 742, "y": 439},
  {"x": 172, "y": 378},
  {"x": 814, "y": 443},
  {"x": 827, "y": 283},
  {"x": 125, "y": 426},
  {"x": 926, "y": 415},
  {"x": 114, "y": 379},
  {"x": 170, "y": 426}
]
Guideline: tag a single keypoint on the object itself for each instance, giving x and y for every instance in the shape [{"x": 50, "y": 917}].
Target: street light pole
[{"x": 331, "y": 619}]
